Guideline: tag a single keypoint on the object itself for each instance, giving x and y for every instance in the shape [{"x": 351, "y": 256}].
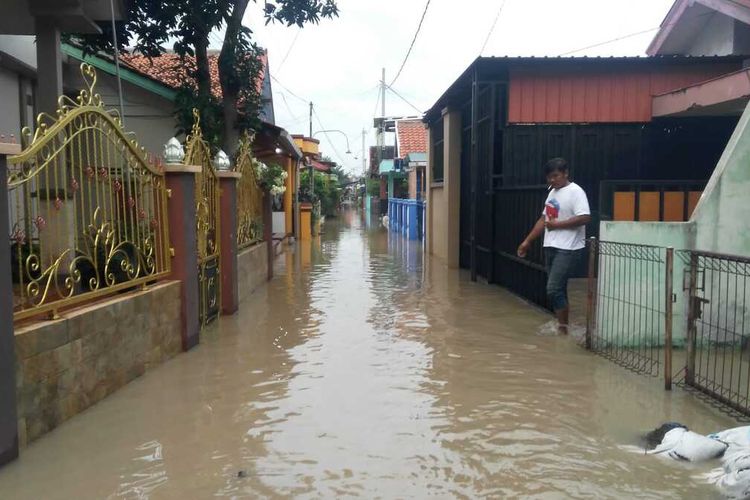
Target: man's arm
[
  {"x": 535, "y": 233},
  {"x": 578, "y": 220}
]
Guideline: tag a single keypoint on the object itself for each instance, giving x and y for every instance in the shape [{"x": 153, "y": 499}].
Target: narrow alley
[{"x": 359, "y": 371}]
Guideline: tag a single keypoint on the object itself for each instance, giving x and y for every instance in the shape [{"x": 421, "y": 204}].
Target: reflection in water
[{"x": 364, "y": 370}]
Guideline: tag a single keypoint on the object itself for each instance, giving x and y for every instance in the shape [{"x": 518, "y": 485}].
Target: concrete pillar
[
  {"x": 230, "y": 290},
  {"x": 8, "y": 411},
  {"x": 184, "y": 243},
  {"x": 49, "y": 64},
  {"x": 452, "y": 184}
]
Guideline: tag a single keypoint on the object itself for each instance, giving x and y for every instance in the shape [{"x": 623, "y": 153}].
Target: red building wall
[{"x": 604, "y": 93}]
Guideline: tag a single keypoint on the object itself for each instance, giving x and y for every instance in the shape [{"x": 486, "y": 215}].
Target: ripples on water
[{"x": 359, "y": 371}]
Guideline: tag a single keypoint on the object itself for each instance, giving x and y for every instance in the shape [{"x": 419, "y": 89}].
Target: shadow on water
[{"x": 365, "y": 369}]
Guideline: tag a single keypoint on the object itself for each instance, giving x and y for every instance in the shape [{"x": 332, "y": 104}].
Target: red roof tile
[
  {"x": 170, "y": 69},
  {"x": 411, "y": 136}
]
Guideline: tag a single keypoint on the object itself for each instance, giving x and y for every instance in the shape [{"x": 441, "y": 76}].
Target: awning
[
  {"x": 726, "y": 95},
  {"x": 270, "y": 137},
  {"x": 386, "y": 166},
  {"x": 416, "y": 159}
]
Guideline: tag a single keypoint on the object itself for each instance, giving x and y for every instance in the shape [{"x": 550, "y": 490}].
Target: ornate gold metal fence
[
  {"x": 249, "y": 197},
  {"x": 207, "y": 214},
  {"x": 88, "y": 213}
]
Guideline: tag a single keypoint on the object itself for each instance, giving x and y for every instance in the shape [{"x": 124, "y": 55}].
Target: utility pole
[
  {"x": 312, "y": 169},
  {"x": 383, "y": 100},
  {"x": 381, "y": 130},
  {"x": 364, "y": 158},
  {"x": 311, "y": 113}
]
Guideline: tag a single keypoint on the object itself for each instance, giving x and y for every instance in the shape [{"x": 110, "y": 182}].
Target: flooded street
[{"x": 362, "y": 371}]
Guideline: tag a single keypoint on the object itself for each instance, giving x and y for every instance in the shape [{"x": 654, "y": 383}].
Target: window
[{"x": 436, "y": 132}]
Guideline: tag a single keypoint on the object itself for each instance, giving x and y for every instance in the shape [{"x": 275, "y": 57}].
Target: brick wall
[{"x": 66, "y": 365}]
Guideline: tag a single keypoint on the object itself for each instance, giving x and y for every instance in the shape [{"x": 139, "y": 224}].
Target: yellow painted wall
[
  {"x": 307, "y": 145},
  {"x": 305, "y": 230},
  {"x": 289, "y": 195}
]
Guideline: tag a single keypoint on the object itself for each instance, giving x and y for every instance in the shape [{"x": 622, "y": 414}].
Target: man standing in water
[{"x": 563, "y": 222}]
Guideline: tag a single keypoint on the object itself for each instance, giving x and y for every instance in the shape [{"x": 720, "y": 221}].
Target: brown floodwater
[{"x": 362, "y": 370}]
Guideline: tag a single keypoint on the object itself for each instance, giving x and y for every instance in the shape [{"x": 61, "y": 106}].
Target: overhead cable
[{"x": 408, "y": 53}]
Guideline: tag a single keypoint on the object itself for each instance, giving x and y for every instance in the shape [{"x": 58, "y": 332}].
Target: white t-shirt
[{"x": 562, "y": 204}]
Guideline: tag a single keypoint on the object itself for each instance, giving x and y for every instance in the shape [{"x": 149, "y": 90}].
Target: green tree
[{"x": 152, "y": 24}]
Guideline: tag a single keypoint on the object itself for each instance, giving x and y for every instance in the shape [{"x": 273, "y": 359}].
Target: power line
[
  {"x": 404, "y": 99},
  {"x": 287, "y": 89},
  {"x": 408, "y": 53},
  {"x": 624, "y": 37},
  {"x": 289, "y": 51},
  {"x": 492, "y": 29},
  {"x": 325, "y": 133},
  {"x": 631, "y": 35}
]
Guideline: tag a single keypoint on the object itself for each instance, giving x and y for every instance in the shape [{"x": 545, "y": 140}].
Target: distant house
[
  {"x": 411, "y": 147},
  {"x": 599, "y": 113},
  {"x": 404, "y": 176},
  {"x": 272, "y": 144}
]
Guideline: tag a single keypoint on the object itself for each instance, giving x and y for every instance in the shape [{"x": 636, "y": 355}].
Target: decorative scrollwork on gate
[
  {"x": 88, "y": 212},
  {"x": 249, "y": 196},
  {"x": 197, "y": 152}
]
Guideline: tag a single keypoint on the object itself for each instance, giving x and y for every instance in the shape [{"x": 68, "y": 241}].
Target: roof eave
[
  {"x": 126, "y": 73},
  {"x": 674, "y": 14}
]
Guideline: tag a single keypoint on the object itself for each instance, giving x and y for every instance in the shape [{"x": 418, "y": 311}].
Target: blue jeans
[{"x": 561, "y": 264}]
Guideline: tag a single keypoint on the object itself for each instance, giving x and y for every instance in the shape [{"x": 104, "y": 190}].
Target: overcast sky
[{"x": 337, "y": 64}]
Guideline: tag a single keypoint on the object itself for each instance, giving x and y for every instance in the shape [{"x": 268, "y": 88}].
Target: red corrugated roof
[
  {"x": 411, "y": 136},
  {"x": 320, "y": 167},
  {"x": 575, "y": 94},
  {"x": 171, "y": 70}
]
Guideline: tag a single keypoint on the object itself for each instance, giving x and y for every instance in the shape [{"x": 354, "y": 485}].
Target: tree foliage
[
  {"x": 327, "y": 191},
  {"x": 152, "y": 26}
]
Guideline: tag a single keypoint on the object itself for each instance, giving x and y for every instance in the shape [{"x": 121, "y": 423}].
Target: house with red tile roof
[
  {"x": 150, "y": 88},
  {"x": 172, "y": 70},
  {"x": 403, "y": 178},
  {"x": 411, "y": 145}
]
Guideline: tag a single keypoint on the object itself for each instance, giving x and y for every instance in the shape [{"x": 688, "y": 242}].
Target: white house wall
[
  {"x": 10, "y": 113},
  {"x": 716, "y": 38},
  {"x": 22, "y": 47}
]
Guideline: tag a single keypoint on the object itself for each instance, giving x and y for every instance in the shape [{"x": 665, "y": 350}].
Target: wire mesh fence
[
  {"x": 629, "y": 310},
  {"x": 718, "y": 343}
]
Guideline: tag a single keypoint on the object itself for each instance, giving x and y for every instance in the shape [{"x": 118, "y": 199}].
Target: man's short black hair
[{"x": 556, "y": 165}]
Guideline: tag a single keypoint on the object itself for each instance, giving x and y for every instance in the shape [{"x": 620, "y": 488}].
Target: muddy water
[{"x": 359, "y": 371}]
